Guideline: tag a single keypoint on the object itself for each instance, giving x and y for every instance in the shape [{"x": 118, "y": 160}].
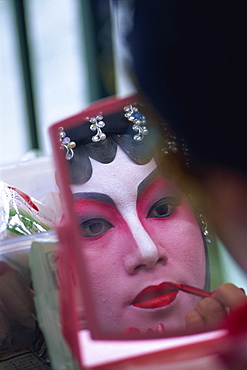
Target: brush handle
[{"x": 192, "y": 290}]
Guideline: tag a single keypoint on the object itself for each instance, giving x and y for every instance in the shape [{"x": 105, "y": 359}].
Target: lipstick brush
[{"x": 192, "y": 290}]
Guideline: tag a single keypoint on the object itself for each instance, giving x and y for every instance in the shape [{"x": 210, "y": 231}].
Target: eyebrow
[
  {"x": 147, "y": 181},
  {"x": 95, "y": 196},
  {"x": 106, "y": 199}
]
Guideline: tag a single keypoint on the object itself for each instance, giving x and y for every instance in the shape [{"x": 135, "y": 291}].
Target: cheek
[
  {"x": 105, "y": 255},
  {"x": 181, "y": 238},
  {"x": 188, "y": 246},
  {"x": 103, "y": 266},
  {"x": 108, "y": 279},
  {"x": 178, "y": 237}
]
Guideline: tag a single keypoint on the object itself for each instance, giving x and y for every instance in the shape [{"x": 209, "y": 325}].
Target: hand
[{"x": 213, "y": 309}]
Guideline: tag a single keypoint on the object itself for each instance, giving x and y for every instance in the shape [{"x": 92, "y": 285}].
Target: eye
[
  {"x": 163, "y": 208},
  {"x": 94, "y": 227}
]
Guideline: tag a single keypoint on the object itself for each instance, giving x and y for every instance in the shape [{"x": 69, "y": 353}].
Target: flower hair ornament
[
  {"x": 97, "y": 124},
  {"x": 66, "y": 143},
  {"x": 173, "y": 145},
  {"x": 115, "y": 125},
  {"x": 133, "y": 114}
]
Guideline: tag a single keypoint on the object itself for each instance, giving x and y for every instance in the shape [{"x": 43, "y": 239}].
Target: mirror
[{"x": 132, "y": 224}]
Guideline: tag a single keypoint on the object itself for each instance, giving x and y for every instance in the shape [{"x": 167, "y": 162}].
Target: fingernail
[
  {"x": 150, "y": 331},
  {"x": 132, "y": 330},
  {"x": 160, "y": 328}
]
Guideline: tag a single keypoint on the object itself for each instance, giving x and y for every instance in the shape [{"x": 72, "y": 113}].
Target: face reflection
[{"x": 138, "y": 232}]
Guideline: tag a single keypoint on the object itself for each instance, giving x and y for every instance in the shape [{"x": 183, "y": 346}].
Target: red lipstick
[{"x": 156, "y": 296}]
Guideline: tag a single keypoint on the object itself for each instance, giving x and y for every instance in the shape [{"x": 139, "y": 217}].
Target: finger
[
  {"x": 193, "y": 319},
  {"x": 229, "y": 295},
  {"x": 132, "y": 330},
  {"x": 210, "y": 309}
]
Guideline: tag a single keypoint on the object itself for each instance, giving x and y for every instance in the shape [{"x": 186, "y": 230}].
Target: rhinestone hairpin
[
  {"x": 171, "y": 145},
  {"x": 97, "y": 124},
  {"x": 134, "y": 115},
  {"x": 66, "y": 143}
]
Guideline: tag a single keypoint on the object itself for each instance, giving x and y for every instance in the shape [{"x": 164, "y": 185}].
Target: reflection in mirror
[{"x": 140, "y": 239}]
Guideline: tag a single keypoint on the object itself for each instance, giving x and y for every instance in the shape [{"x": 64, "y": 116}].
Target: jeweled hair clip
[
  {"x": 66, "y": 143},
  {"x": 170, "y": 146},
  {"x": 97, "y": 124},
  {"x": 133, "y": 114},
  {"x": 173, "y": 145}
]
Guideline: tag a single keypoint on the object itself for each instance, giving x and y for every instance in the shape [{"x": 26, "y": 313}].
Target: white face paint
[
  {"x": 138, "y": 231},
  {"x": 106, "y": 180}
]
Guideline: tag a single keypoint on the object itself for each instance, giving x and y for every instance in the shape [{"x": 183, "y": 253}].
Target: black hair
[
  {"x": 192, "y": 68},
  {"x": 118, "y": 131}
]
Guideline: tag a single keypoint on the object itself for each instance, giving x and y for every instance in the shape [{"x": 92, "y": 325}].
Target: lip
[{"x": 155, "y": 296}]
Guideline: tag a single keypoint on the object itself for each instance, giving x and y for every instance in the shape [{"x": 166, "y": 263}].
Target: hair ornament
[
  {"x": 66, "y": 143},
  {"x": 134, "y": 115},
  {"x": 172, "y": 144},
  {"x": 97, "y": 124}
]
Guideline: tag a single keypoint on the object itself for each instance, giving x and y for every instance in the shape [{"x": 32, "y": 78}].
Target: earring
[
  {"x": 204, "y": 227},
  {"x": 134, "y": 115},
  {"x": 66, "y": 143},
  {"x": 97, "y": 124}
]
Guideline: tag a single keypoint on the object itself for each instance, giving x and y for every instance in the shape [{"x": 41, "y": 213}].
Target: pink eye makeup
[
  {"x": 96, "y": 213},
  {"x": 94, "y": 227},
  {"x": 157, "y": 197},
  {"x": 163, "y": 208},
  {"x": 89, "y": 206}
]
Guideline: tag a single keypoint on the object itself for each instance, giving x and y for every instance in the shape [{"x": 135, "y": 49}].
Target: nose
[{"x": 143, "y": 254}]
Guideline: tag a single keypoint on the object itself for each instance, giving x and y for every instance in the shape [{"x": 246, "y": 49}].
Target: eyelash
[
  {"x": 170, "y": 203},
  {"x": 98, "y": 222}
]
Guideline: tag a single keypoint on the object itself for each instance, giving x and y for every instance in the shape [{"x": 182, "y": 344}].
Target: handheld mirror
[{"x": 128, "y": 230}]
